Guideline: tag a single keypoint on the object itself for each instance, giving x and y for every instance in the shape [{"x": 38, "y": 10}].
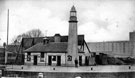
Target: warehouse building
[{"x": 115, "y": 48}]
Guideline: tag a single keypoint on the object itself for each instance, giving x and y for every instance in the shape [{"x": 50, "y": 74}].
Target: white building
[{"x": 57, "y": 53}]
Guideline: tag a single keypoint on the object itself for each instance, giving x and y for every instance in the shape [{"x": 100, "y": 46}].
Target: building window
[
  {"x": 53, "y": 58},
  {"x": 28, "y": 56},
  {"x": 42, "y": 57}
]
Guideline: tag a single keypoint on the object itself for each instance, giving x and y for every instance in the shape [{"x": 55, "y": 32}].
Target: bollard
[
  {"x": 40, "y": 75},
  {"x": 77, "y": 77}
]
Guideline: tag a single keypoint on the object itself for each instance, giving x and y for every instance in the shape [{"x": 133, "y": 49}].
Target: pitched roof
[
  {"x": 1, "y": 47},
  {"x": 12, "y": 48},
  {"x": 29, "y": 42},
  {"x": 50, "y": 47},
  {"x": 73, "y": 9}
]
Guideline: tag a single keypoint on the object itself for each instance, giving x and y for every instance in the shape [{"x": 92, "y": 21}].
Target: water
[{"x": 72, "y": 75}]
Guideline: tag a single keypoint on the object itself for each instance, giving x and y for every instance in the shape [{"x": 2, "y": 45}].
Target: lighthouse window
[
  {"x": 69, "y": 58},
  {"x": 73, "y": 14}
]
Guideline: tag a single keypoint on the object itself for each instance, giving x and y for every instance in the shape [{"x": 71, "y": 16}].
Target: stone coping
[{"x": 80, "y": 69}]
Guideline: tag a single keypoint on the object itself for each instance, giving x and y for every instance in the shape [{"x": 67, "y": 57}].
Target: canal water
[{"x": 71, "y": 75}]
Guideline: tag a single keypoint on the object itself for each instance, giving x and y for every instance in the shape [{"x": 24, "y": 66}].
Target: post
[
  {"x": 7, "y": 25},
  {"x": 5, "y": 54}
]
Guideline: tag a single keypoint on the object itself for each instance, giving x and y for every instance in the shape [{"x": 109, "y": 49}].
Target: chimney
[
  {"x": 132, "y": 36},
  {"x": 57, "y": 38},
  {"x": 45, "y": 40}
]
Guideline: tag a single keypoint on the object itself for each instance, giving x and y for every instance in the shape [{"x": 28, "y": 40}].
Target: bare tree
[
  {"x": 29, "y": 34},
  {"x": 34, "y": 33}
]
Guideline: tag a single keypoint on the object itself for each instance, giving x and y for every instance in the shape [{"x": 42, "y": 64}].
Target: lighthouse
[{"x": 72, "y": 38}]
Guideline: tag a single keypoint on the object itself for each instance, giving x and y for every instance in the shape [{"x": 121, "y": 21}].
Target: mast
[
  {"x": 7, "y": 25},
  {"x": 7, "y": 36}
]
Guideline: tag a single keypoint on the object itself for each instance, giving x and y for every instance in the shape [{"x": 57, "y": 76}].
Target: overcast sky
[{"x": 99, "y": 20}]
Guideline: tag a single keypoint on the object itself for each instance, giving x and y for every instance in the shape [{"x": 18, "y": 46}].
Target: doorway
[
  {"x": 35, "y": 60},
  {"x": 58, "y": 60},
  {"x": 80, "y": 60},
  {"x": 49, "y": 60},
  {"x": 86, "y": 60}
]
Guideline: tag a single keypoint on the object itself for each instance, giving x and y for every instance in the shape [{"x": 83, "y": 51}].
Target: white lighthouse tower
[{"x": 72, "y": 38}]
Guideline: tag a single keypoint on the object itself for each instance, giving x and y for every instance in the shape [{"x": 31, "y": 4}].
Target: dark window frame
[
  {"x": 53, "y": 58},
  {"x": 28, "y": 56},
  {"x": 42, "y": 54}
]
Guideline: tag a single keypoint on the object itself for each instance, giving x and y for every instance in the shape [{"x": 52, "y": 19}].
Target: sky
[{"x": 98, "y": 20}]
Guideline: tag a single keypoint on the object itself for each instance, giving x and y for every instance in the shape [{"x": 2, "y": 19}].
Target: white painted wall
[
  {"x": 58, "y": 54},
  {"x": 45, "y": 58},
  {"x": 38, "y": 54}
]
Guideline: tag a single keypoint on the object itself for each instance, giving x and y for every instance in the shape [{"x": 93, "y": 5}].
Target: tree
[
  {"x": 34, "y": 33},
  {"x": 29, "y": 34}
]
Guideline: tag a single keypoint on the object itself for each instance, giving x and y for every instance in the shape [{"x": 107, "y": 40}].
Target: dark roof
[
  {"x": 50, "y": 47},
  {"x": 57, "y": 35},
  {"x": 73, "y": 9},
  {"x": 12, "y": 48},
  {"x": 1, "y": 47},
  {"x": 29, "y": 42},
  {"x": 1, "y": 50}
]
